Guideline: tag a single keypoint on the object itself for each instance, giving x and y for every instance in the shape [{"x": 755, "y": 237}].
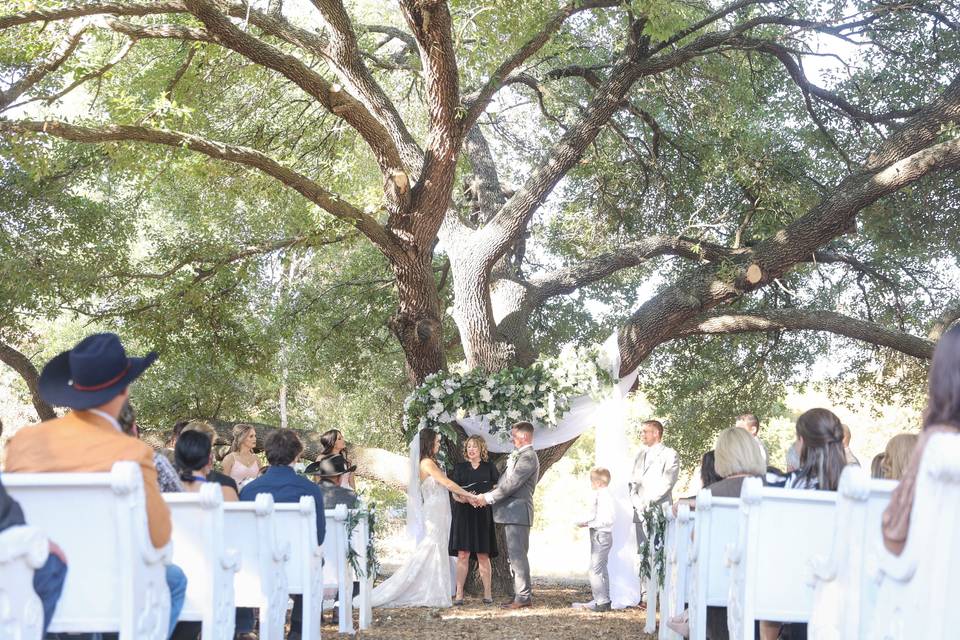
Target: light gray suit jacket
[
  {"x": 512, "y": 499},
  {"x": 654, "y": 474}
]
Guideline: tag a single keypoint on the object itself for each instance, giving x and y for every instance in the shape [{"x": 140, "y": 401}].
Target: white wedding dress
[{"x": 424, "y": 580}]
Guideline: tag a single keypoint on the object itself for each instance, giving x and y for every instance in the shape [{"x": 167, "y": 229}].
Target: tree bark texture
[{"x": 22, "y": 365}]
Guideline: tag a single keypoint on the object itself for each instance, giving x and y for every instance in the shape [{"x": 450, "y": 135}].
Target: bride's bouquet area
[{"x": 540, "y": 393}]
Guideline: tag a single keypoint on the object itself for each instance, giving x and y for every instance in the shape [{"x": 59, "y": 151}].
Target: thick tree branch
[
  {"x": 81, "y": 9},
  {"x": 220, "y": 151},
  {"x": 809, "y": 320},
  {"x": 910, "y": 154},
  {"x": 568, "y": 280},
  {"x": 344, "y": 54},
  {"x": 46, "y": 66},
  {"x": 22, "y": 365},
  {"x": 431, "y": 25},
  {"x": 485, "y": 180},
  {"x": 332, "y": 97},
  {"x": 477, "y": 103}
]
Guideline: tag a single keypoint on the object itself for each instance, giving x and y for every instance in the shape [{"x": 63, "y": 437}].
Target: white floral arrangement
[{"x": 539, "y": 393}]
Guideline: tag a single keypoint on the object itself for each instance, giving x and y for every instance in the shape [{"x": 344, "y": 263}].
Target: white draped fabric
[{"x": 612, "y": 452}]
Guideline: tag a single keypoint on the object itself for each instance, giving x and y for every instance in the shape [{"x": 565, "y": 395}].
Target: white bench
[
  {"x": 262, "y": 580},
  {"x": 845, "y": 592},
  {"x": 918, "y": 590},
  {"x": 116, "y": 580},
  {"x": 23, "y": 550},
  {"x": 679, "y": 540},
  {"x": 209, "y": 564},
  {"x": 781, "y": 531},
  {"x": 715, "y": 533},
  {"x": 296, "y": 526},
  {"x": 337, "y": 576}
]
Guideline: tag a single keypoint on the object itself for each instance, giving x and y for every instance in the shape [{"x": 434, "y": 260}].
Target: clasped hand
[{"x": 474, "y": 499}]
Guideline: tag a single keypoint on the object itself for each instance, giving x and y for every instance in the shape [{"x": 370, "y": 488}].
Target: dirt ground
[{"x": 551, "y": 618}]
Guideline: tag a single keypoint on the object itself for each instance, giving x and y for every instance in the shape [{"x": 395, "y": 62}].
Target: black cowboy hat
[
  {"x": 329, "y": 467},
  {"x": 92, "y": 373}
]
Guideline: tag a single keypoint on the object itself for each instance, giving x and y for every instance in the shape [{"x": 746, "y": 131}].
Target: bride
[{"x": 424, "y": 580}]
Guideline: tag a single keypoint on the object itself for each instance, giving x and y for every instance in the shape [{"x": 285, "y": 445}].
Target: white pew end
[
  {"x": 781, "y": 532},
  {"x": 337, "y": 577},
  {"x": 715, "y": 530},
  {"x": 23, "y": 550},
  {"x": 296, "y": 526},
  {"x": 679, "y": 539},
  {"x": 262, "y": 579},
  {"x": 845, "y": 594},
  {"x": 359, "y": 540},
  {"x": 210, "y": 565},
  {"x": 116, "y": 580},
  {"x": 918, "y": 590}
]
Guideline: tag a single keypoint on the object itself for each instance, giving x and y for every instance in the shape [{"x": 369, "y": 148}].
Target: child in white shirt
[{"x": 600, "y": 522}]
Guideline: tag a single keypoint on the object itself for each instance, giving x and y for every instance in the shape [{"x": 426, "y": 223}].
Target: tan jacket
[{"x": 84, "y": 442}]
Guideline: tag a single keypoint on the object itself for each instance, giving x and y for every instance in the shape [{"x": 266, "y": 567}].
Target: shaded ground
[{"x": 551, "y": 618}]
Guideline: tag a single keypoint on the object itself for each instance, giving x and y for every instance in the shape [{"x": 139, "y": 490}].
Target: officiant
[{"x": 472, "y": 530}]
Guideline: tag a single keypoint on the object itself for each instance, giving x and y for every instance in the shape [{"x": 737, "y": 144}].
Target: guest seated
[
  {"x": 92, "y": 379},
  {"x": 822, "y": 459},
  {"x": 942, "y": 416},
  {"x": 334, "y": 444},
  {"x": 737, "y": 457},
  {"x": 214, "y": 476},
  {"x": 327, "y": 473},
  {"x": 847, "y": 451},
  {"x": 876, "y": 467},
  {"x": 48, "y": 579},
  {"x": 167, "y": 476},
  {"x": 194, "y": 459},
  {"x": 283, "y": 449},
  {"x": 896, "y": 456}
]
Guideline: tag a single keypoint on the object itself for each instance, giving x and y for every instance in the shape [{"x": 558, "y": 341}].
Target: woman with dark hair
[
  {"x": 708, "y": 469},
  {"x": 193, "y": 457},
  {"x": 424, "y": 579},
  {"x": 941, "y": 416},
  {"x": 822, "y": 457},
  {"x": 334, "y": 444}
]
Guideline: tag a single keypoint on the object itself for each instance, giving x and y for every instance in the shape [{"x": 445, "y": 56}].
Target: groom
[{"x": 512, "y": 501}]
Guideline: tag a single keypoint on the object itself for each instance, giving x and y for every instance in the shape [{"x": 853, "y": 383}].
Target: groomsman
[{"x": 654, "y": 474}]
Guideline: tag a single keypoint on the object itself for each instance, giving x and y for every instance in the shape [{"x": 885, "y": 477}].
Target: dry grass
[{"x": 551, "y": 618}]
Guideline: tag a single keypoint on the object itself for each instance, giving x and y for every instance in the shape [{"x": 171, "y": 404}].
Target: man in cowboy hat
[
  {"x": 92, "y": 379},
  {"x": 328, "y": 471}
]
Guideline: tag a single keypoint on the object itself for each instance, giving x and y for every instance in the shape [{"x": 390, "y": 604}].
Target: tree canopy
[{"x": 304, "y": 206}]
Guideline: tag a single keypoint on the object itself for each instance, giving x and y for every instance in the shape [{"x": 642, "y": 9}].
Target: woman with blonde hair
[
  {"x": 736, "y": 457},
  {"x": 472, "y": 530},
  {"x": 896, "y": 456},
  {"x": 241, "y": 463}
]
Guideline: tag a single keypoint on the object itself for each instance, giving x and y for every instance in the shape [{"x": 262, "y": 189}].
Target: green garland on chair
[
  {"x": 655, "y": 525},
  {"x": 354, "y": 516}
]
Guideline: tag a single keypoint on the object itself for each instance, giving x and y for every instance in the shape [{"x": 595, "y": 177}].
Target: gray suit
[
  {"x": 654, "y": 474},
  {"x": 512, "y": 501}
]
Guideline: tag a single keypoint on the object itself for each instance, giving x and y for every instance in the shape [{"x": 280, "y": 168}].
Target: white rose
[
  {"x": 539, "y": 412},
  {"x": 528, "y": 388},
  {"x": 436, "y": 392},
  {"x": 513, "y": 414},
  {"x": 485, "y": 395},
  {"x": 461, "y": 413},
  {"x": 491, "y": 383},
  {"x": 438, "y": 407}
]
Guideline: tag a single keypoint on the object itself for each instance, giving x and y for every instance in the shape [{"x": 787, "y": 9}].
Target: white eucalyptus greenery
[{"x": 539, "y": 393}]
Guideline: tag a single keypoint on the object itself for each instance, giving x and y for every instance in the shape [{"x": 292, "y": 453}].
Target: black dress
[{"x": 471, "y": 528}]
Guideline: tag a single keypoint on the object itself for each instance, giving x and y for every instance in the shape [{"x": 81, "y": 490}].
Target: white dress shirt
[
  {"x": 109, "y": 418},
  {"x": 601, "y": 513}
]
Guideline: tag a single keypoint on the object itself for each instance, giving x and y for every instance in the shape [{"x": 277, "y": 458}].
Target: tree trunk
[
  {"x": 22, "y": 365},
  {"x": 417, "y": 323}
]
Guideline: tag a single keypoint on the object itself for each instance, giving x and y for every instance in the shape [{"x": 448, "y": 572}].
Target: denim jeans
[
  {"x": 177, "y": 583},
  {"x": 48, "y": 583}
]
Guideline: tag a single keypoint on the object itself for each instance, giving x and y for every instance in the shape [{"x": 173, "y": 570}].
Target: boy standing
[{"x": 600, "y": 522}]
